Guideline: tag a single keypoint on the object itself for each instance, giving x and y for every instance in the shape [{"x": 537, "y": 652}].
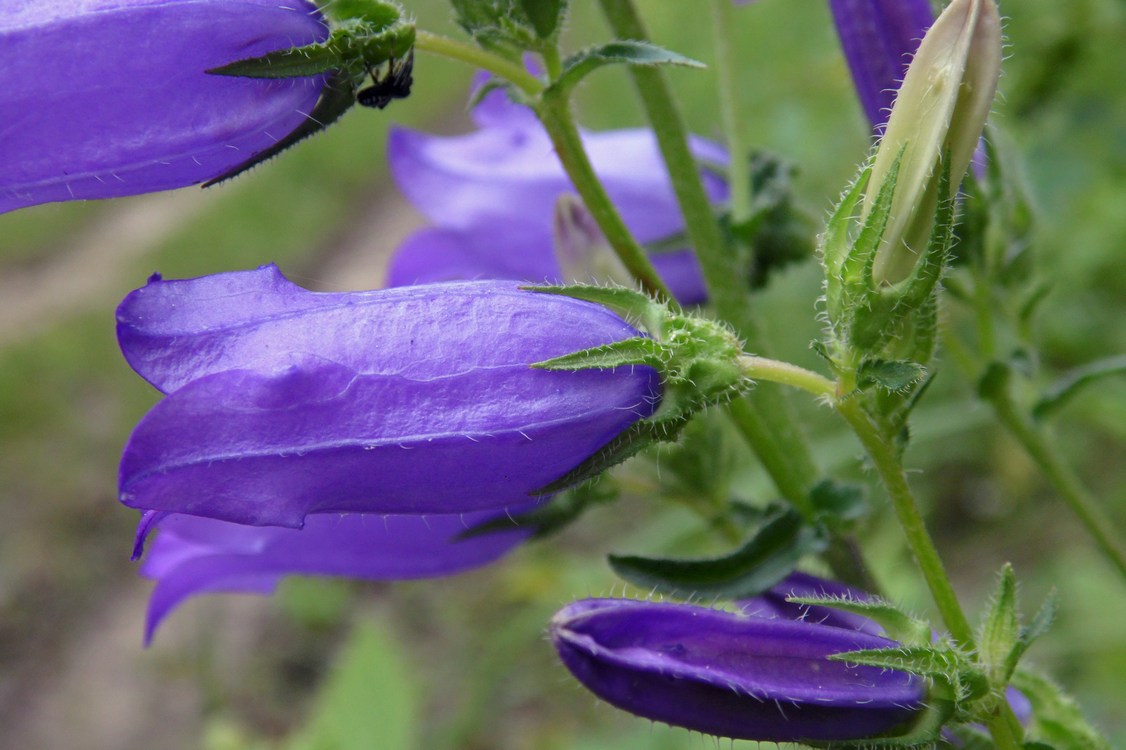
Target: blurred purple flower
[
  {"x": 879, "y": 38},
  {"x": 193, "y": 555},
  {"x": 417, "y": 400},
  {"x": 733, "y": 675},
  {"x": 104, "y": 98},
  {"x": 491, "y": 195}
]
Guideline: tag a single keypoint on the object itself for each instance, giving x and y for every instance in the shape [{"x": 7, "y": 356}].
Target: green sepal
[
  {"x": 1000, "y": 628},
  {"x": 1056, "y": 717},
  {"x": 337, "y": 97},
  {"x": 836, "y": 240},
  {"x": 1074, "y": 381},
  {"x": 636, "y": 307},
  {"x": 634, "y": 351},
  {"x": 898, "y": 625},
  {"x": 940, "y": 662},
  {"x": 764, "y": 560},
  {"x": 372, "y": 33},
  {"x": 621, "y": 52}
]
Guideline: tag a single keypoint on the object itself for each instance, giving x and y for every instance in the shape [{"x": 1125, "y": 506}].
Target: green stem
[
  {"x": 1061, "y": 477},
  {"x": 772, "y": 430},
  {"x": 886, "y": 461},
  {"x": 512, "y": 72},
  {"x": 775, "y": 371},
  {"x": 738, "y": 169},
  {"x": 555, "y": 114}
]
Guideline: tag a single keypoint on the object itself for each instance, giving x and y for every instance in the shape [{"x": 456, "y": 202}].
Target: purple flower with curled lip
[
  {"x": 878, "y": 38},
  {"x": 490, "y": 196},
  {"x": 104, "y": 98},
  {"x": 284, "y": 403},
  {"x": 193, "y": 555},
  {"x": 732, "y": 675}
]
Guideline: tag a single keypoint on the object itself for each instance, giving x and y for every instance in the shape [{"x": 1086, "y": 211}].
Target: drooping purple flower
[
  {"x": 490, "y": 196},
  {"x": 733, "y": 675},
  {"x": 104, "y": 98},
  {"x": 193, "y": 555},
  {"x": 416, "y": 400},
  {"x": 878, "y": 38}
]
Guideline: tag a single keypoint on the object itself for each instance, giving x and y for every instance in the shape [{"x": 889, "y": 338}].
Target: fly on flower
[{"x": 395, "y": 84}]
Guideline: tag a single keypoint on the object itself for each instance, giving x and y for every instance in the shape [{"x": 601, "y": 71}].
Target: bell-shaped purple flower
[
  {"x": 878, "y": 38},
  {"x": 416, "y": 400},
  {"x": 104, "y": 98},
  {"x": 491, "y": 196},
  {"x": 193, "y": 555},
  {"x": 733, "y": 675}
]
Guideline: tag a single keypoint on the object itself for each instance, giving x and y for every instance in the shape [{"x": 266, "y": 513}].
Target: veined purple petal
[
  {"x": 192, "y": 555},
  {"x": 420, "y": 399},
  {"x": 103, "y": 98},
  {"x": 772, "y": 603},
  {"x": 878, "y": 38},
  {"x": 731, "y": 675}
]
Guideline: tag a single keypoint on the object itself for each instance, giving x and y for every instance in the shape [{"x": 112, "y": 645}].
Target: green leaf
[
  {"x": 769, "y": 556},
  {"x": 546, "y": 16},
  {"x": 894, "y": 376},
  {"x": 838, "y": 501},
  {"x": 369, "y": 700},
  {"x": 1041, "y": 621},
  {"x": 621, "y": 52},
  {"x": 502, "y": 26},
  {"x": 1067, "y": 387},
  {"x": 1056, "y": 717}
]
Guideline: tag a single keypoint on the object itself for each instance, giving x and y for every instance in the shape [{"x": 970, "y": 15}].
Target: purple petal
[
  {"x": 730, "y": 675},
  {"x": 498, "y": 187},
  {"x": 410, "y": 400},
  {"x": 199, "y": 555},
  {"x": 172, "y": 332},
  {"x": 879, "y": 38},
  {"x": 102, "y": 98}
]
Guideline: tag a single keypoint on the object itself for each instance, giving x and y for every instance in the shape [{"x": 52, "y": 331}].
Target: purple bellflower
[
  {"x": 193, "y": 555},
  {"x": 491, "y": 196},
  {"x": 733, "y": 675},
  {"x": 104, "y": 98},
  {"x": 417, "y": 400},
  {"x": 878, "y": 38}
]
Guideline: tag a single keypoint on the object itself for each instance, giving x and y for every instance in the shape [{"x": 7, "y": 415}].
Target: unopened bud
[{"x": 940, "y": 113}]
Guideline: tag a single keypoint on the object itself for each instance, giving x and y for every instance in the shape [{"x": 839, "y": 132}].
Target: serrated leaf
[
  {"x": 632, "y": 351},
  {"x": 769, "y": 556},
  {"x": 337, "y": 97},
  {"x": 894, "y": 376},
  {"x": 620, "y": 52},
  {"x": 1074, "y": 381},
  {"x": 1056, "y": 717}
]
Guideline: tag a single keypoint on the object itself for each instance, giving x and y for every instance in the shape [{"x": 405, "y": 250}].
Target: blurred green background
[{"x": 462, "y": 663}]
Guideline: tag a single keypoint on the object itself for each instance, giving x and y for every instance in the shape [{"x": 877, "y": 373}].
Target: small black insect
[{"x": 396, "y": 84}]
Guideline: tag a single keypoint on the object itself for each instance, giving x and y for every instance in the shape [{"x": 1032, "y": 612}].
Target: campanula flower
[
  {"x": 490, "y": 196},
  {"x": 417, "y": 400},
  {"x": 104, "y": 98},
  {"x": 192, "y": 555},
  {"x": 733, "y": 675},
  {"x": 878, "y": 38}
]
